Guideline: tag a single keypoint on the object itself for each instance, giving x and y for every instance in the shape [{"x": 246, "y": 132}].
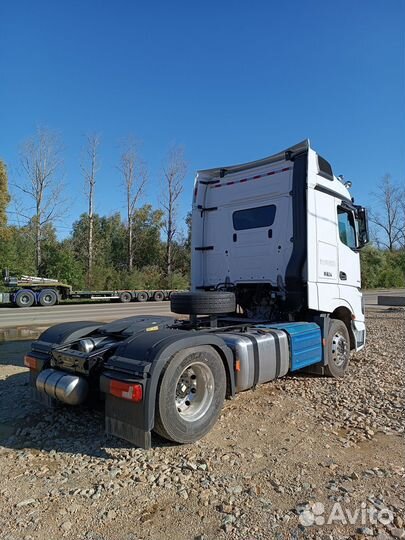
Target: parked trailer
[
  {"x": 28, "y": 291},
  {"x": 275, "y": 289}
]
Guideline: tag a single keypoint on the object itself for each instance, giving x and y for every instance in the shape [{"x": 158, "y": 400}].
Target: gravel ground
[{"x": 292, "y": 452}]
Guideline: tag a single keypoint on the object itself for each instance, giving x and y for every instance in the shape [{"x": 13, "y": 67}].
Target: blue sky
[{"x": 230, "y": 81}]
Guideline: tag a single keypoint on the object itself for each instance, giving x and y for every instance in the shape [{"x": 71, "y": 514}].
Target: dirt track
[{"x": 276, "y": 454}]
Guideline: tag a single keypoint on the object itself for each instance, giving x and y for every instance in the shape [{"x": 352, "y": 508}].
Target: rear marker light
[
  {"x": 129, "y": 391},
  {"x": 30, "y": 362}
]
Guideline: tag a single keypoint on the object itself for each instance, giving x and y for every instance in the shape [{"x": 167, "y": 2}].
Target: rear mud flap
[
  {"x": 124, "y": 419},
  {"x": 127, "y": 431}
]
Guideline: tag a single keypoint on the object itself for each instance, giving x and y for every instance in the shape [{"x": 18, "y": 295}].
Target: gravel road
[{"x": 279, "y": 458}]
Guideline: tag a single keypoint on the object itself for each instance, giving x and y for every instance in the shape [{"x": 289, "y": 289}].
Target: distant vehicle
[
  {"x": 27, "y": 291},
  {"x": 275, "y": 288}
]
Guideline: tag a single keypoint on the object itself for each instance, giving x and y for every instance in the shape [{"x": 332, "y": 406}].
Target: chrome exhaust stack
[{"x": 70, "y": 389}]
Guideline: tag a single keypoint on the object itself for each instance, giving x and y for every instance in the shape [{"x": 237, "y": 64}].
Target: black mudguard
[
  {"x": 142, "y": 360},
  {"x": 65, "y": 332}
]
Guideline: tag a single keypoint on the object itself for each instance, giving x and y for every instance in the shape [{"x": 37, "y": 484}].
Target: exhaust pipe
[{"x": 70, "y": 389}]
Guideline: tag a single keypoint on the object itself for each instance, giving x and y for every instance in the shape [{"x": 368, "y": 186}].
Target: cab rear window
[{"x": 253, "y": 218}]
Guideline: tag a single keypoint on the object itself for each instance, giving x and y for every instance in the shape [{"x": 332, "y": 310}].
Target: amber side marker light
[
  {"x": 30, "y": 362},
  {"x": 129, "y": 391}
]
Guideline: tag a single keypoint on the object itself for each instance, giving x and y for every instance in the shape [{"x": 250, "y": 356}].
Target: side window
[
  {"x": 347, "y": 231},
  {"x": 253, "y": 218},
  {"x": 325, "y": 168}
]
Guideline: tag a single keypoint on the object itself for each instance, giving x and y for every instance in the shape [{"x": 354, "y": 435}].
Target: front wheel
[
  {"x": 338, "y": 349},
  {"x": 191, "y": 394}
]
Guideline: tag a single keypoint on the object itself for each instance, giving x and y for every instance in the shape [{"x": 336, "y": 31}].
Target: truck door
[{"x": 349, "y": 267}]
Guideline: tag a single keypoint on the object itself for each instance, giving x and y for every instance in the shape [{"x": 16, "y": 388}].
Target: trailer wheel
[
  {"x": 190, "y": 395},
  {"x": 125, "y": 297},
  {"x": 159, "y": 296},
  {"x": 203, "y": 303},
  {"x": 338, "y": 347},
  {"x": 48, "y": 297},
  {"x": 25, "y": 298},
  {"x": 142, "y": 296}
]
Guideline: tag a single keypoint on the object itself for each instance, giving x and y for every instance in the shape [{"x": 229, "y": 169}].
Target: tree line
[{"x": 147, "y": 248}]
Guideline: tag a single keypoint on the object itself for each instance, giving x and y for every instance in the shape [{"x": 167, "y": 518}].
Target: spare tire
[{"x": 203, "y": 303}]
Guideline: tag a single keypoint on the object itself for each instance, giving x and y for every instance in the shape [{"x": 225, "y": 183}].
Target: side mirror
[{"x": 362, "y": 221}]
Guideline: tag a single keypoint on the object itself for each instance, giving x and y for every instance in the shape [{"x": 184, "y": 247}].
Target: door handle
[{"x": 342, "y": 275}]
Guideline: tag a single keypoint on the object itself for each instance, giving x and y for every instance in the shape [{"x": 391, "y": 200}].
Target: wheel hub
[
  {"x": 340, "y": 349},
  {"x": 194, "y": 391}
]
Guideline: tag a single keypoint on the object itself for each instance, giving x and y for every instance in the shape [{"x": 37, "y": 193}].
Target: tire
[
  {"x": 25, "y": 298},
  {"x": 125, "y": 297},
  {"x": 203, "y": 303},
  {"x": 338, "y": 349},
  {"x": 159, "y": 296},
  {"x": 48, "y": 297},
  {"x": 142, "y": 296},
  {"x": 178, "y": 418}
]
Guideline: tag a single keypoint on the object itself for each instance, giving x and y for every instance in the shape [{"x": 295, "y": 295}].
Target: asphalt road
[
  {"x": 371, "y": 296},
  {"x": 45, "y": 316},
  {"x": 34, "y": 317}
]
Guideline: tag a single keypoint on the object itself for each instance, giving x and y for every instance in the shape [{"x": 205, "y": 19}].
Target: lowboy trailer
[
  {"x": 275, "y": 289},
  {"x": 28, "y": 291}
]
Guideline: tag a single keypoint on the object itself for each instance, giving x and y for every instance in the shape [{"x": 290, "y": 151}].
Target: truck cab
[
  {"x": 284, "y": 233},
  {"x": 275, "y": 289}
]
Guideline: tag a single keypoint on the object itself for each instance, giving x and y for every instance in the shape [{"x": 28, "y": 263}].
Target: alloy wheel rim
[{"x": 194, "y": 391}]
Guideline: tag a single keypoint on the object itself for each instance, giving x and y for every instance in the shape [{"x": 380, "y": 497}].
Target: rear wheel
[
  {"x": 159, "y": 296},
  {"x": 338, "y": 349},
  {"x": 125, "y": 297},
  {"x": 203, "y": 303},
  {"x": 48, "y": 297},
  {"x": 142, "y": 296},
  {"x": 25, "y": 299},
  {"x": 191, "y": 394}
]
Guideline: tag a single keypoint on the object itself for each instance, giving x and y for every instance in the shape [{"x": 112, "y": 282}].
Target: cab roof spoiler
[{"x": 287, "y": 154}]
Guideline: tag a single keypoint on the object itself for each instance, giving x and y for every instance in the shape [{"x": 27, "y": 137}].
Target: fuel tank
[
  {"x": 260, "y": 355},
  {"x": 70, "y": 389}
]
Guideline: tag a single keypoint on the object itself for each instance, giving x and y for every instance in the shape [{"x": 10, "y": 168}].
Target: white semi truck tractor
[{"x": 275, "y": 289}]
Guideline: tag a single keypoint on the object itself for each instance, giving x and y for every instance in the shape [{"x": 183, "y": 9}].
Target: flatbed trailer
[{"x": 28, "y": 291}]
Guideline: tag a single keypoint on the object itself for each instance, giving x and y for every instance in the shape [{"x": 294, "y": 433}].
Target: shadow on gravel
[
  {"x": 12, "y": 352},
  {"x": 25, "y": 424}
]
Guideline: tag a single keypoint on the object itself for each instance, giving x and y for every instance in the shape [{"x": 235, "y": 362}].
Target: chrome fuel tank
[
  {"x": 70, "y": 389},
  {"x": 260, "y": 355}
]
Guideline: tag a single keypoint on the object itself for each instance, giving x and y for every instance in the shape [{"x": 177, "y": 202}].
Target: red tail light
[
  {"x": 129, "y": 391},
  {"x": 30, "y": 362}
]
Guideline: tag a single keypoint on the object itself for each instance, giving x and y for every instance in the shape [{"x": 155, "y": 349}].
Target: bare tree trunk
[
  {"x": 174, "y": 172},
  {"x": 134, "y": 175},
  {"x": 169, "y": 238},
  {"x": 130, "y": 252},
  {"x": 90, "y": 172},
  {"x": 389, "y": 221},
  {"x": 41, "y": 164}
]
